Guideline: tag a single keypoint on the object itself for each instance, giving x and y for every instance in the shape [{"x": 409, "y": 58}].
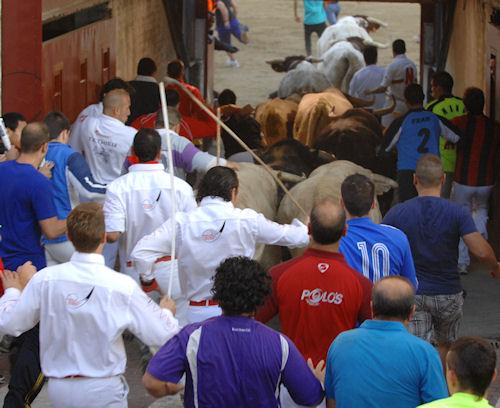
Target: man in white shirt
[
  {"x": 400, "y": 73},
  {"x": 139, "y": 202},
  {"x": 93, "y": 110},
  {"x": 106, "y": 140},
  {"x": 211, "y": 233},
  {"x": 368, "y": 78},
  {"x": 83, "y": 308}
]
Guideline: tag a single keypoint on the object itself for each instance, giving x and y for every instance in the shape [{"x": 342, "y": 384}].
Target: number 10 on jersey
[{"x": 379, "y": 253}]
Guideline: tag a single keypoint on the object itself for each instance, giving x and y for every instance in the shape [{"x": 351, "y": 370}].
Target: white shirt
[
  {"x": 400, "y": 69},
  {"x": 140, "y": 201},
  {"x": 75, "y": 140},
  {"x": 369, "y": 77},
  {"x": 211, "y": 233},
  {"x": 106, "y": 142},
  {"x": 83, "y": 308}
]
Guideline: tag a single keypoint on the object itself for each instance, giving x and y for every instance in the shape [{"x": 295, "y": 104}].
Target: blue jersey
[
  {"x": 26, "y": 199},
  {"x": 71, "y": 177},
  {"x": 417, "y": 133},
  {"x": 377, "y": 250}
]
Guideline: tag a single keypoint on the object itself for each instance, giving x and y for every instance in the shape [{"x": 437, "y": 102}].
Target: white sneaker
[
  {"x": 232, "y": 63},
  {"x": 463, "y": 269}
]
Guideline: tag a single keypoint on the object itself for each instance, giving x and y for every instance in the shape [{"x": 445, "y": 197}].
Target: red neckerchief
[{"x": 135, "y": 160}]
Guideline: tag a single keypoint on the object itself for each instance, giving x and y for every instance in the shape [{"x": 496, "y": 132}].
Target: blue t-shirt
[
  {"x": 234, "y": 361},
  {"x": 381, "y": 365},
  {"x": 377, "y": 250},
  {"x": 414, "y": 135},
  {"x": 26, "y": 199},
  {"x": 314, "y": 12},
  {"x": 433, "y": 226}
]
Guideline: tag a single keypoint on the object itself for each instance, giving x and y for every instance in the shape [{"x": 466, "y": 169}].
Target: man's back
[
  {"x": 319, "y": 296},
  {"x": 369, "y": 77},
  {"x": 145, "y": 99},
  {"x": 404, "y": 72},
  {"x": 75, "y": 140},
  {"x": 234, "y": 361},
  {"x": 106, "y": 142},
  {"x": 377, "y": 250},
  {"x": 26, "y": 199},
  {"x": 381, "y": 365},
  {"x": 433, "y": 226}
]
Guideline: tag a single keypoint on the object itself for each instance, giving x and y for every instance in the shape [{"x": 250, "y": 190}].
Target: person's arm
[
  {"x": 157, "y": 388},
  {"x": 433, "y": 384},
  {"x": 224, "y": 13},
  {"x": 297, "y": 377},
  {"x": 365, "y": 310},
  {"x": 80, "y": 177},
  {"x": 296, "y": 11},
  {"x": 480, "y": 249},
  {"x": 290, "y": 235},
  {"x": 449, "y": 131},
  {"x": 386, "y": 81},
  {"x": 330, "y": 403},
  {"x": 408, "y": 267},
  {"x": 114, "y": 215},
  {"x": 52, "y": 227},
  {"x": 392, "y": 135}
]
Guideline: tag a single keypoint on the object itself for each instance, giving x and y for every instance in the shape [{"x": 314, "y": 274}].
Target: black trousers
[
  {"x": 406, "y": 188},
  {"x": 26, "y": 379},
  {"x": 308, "y": 30}
]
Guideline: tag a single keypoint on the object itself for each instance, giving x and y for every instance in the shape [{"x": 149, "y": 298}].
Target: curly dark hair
[
  {"x": 240, "y": 285},
  {"x": 219, "y": 181}
]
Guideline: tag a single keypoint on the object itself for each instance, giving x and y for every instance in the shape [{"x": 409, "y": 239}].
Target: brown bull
[{"x": 276, "y": 118}]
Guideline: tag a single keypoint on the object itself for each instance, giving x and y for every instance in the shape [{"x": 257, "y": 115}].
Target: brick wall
[{"x": 141, "y": 31}]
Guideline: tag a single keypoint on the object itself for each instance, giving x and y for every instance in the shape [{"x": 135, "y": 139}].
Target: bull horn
[
  {"x": 374, "y": 20},
  {"x": 323, "y": 155},
  {"x": 289, "y": 177},
  {"x": 358, "y": 102},
  {"x": 314, "y": 60},
  {"x": 385, "y": 111}
]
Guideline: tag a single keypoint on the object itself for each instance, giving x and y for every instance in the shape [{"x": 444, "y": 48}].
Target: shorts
[
  {"x": 437, "y": 318},
  {"x": 236, "y": 29}
]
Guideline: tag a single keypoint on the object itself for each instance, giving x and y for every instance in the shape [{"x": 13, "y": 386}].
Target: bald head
[
  {"x": 327, "y": 222},
  {"x": 393, "y": 297},
  {"x": 34, "y": 136},
  {"x": 117, "y": 104},
  {"x": 429, "y": 171}
]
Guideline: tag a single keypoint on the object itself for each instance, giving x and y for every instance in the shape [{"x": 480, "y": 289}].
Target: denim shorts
[{"x": 437, "y": 318}]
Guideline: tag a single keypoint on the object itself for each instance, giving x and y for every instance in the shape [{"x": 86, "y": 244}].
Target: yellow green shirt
[{"x": 459, "y": 400}]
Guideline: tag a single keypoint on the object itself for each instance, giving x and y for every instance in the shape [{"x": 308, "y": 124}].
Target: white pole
[
  {"x": 164, "y": 110},
  {"x": 218, "y": 137}
]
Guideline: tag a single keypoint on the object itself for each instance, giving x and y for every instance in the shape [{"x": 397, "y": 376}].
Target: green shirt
[
  {"x": 449, "y": 108},
  {"x": 459, "y": 400}
]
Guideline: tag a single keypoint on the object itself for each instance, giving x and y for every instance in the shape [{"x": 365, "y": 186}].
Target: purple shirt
[{"x": 234, "y": 361}]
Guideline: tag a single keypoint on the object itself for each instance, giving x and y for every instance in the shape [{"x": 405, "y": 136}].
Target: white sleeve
[
  {"x": 20, "y": 312},
  {"x": 151, "y": 324},
  {"x": 290, "y": 235},
  {"x": 114, "y": 212},
  {"x": 448, "y": 134},
  {"x": 387, "y": 79}
]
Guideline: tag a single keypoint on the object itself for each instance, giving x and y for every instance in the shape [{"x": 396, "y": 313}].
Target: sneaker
[
  {"x": 232, "y": 63},
  {"x": 462, "y": 269}
]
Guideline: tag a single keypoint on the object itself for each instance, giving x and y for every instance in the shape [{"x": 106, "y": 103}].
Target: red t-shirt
[{"x": 318, "y": 296}]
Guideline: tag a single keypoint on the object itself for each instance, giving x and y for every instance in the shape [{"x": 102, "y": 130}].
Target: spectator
[
  {"x": 368, "y": 78},
  {"x": 200, "y": 123},
  {"x": 83, "y": 309},
  {"x": 317, "y": 294},
  {"x": 478, "y": 152},
  {"x": 375, "y": 250},
  {"x": 434, "y": 226},
  {"x": 314, "y": 20},
  {"x": 14, "y": 124},
  {"x": 332, "y": 9},
  {"x": 146, "y": 98},
  {"x": 380, "y": 364},
  {"x": 211, "y": 233},
  {"x": 446, "y": 105},
  {"x": 231, "y": 360},
  {"x": 26, "y": 211},
  {"x": 470, "y": 369},
  {"x": 71, "y": 180},
  {"x": 95, "y": 109},
  {"x": 415, "y": 134},
  {"x": 400, "y": 73}
]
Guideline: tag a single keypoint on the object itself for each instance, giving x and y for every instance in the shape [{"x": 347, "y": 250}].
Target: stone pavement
[{"x": 481, "y": 318}]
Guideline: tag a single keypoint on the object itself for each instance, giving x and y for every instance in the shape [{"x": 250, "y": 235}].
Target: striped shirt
[{"x": 477, "y": 150}]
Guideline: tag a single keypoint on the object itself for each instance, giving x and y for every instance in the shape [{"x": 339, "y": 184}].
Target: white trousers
[
  {"x": 476, "y": 199},
  {"x": 59, "y": 253},
  {"x": 109, "y": 392},
  {"x": 197, "y": 314}
]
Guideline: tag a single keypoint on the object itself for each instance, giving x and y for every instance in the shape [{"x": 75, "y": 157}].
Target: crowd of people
[{"x": 98, "y": 238}]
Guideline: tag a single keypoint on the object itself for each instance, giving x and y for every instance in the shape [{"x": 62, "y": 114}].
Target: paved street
[{"x": 482, "y": 317}]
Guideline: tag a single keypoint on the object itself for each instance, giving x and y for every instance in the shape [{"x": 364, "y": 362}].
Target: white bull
[
  {"x": 303, "y": 79},
  {"x": 325, "y": 182}
]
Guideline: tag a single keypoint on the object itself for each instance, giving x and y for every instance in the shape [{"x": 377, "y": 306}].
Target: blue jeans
[
  {"x": 332, "y": 12},
  {"x": 476, "y": 199}
]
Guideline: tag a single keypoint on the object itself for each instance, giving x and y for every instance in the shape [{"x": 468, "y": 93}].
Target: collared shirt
[
  {"x": 459, "y": 400},
  {"x": 75, "y": 140},
  {"x": 369, "y": 77},
  {"x": 106, "y": 143},
  {"x": 235, "y": 361},
  {"x": 140, "y": 201},
  {"x": 400, "y": 69},
  {"x": 318, "y": 296},
  {"x": 83, "y": 308},
  {"x": 382, "y": 365},
  {"x": 208, "y": 235},
  {"x": 377, "y": 250}
]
